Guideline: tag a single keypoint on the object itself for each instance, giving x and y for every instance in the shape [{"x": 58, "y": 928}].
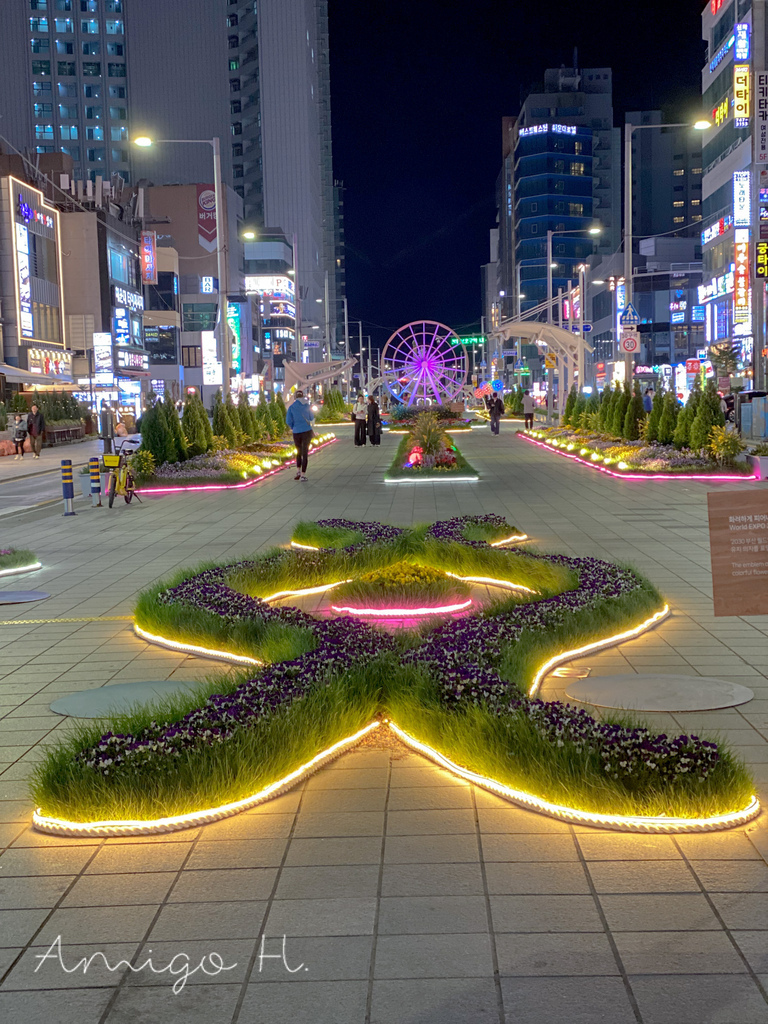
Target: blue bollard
[
  {"x": 68, "y": 487},
  {"x": 93, "y": 465}
]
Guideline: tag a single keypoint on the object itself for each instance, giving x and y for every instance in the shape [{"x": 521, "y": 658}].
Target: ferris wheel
[{"x": 424, "y": 362}]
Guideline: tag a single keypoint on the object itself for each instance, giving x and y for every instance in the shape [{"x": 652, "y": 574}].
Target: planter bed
[
  {"x": 399, "y": 472},
  {"x": 227, "y": 470},
  {"x": 14, "y": 561},
  {"x": 632, "y": 460},
  {"x": 463, "y": 693}
]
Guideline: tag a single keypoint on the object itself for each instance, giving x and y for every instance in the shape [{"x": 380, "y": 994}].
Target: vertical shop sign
[
  {"x": 741, "y": 276},
  {"x": 148, "y": 257},
  {"x": 206, "y": 217}
]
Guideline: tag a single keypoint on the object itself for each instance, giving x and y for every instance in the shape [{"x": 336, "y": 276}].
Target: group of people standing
[
  {"x": 495, "y": 407},
  {"x": 367, "y": 417},
  {"x": 30, "y": 426}
]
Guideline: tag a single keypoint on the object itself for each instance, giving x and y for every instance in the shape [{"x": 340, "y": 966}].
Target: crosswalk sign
[{"x": 630, "y": 317}]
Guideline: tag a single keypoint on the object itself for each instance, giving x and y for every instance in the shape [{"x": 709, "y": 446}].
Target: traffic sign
[
  {"x": 509, "y": 351},
  {"x": 311, "y": 344},
  {"x": 630, "y": 342},
  {"x": 550, "y": 360},
  {"x": 584, "y": 327},
  {"x": 692, "y": 365},
  {"x": 630, "y": 316},
  {"x": 519, "y": 365}
]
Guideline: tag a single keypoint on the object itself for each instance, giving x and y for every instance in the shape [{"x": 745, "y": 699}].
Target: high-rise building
[
  {"x": 735, "y": 186},
  {"x": 564, "y": 177},
  {"x": 666, "y": 177},
  {"x": 99, "y": 72}
]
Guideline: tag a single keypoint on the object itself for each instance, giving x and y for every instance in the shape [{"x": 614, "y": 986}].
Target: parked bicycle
[{"x": 120, "y": 480}]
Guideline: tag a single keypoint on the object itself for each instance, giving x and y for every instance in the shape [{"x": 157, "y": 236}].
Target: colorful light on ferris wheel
[{"x": 424, "y": 362}]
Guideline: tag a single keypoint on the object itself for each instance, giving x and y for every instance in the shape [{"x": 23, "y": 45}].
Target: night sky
[{"x": 419, "y": 88}]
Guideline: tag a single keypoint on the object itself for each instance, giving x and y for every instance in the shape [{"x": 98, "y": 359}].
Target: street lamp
[
  {"x": 700, "y": 125},
  {"x": 594, "y": 230},
  {"x": 221, "y": 246}
]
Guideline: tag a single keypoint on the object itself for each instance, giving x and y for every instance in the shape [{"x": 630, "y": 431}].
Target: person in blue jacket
[{"x": 300, "y": 419}]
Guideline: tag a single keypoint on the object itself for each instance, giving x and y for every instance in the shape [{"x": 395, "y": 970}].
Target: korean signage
[
  {"x": 52, "y": 363},
  {"x": 235, "y": 334},
  {"x": 130, "y": 360},
  {"x": 148, "y": 251},
  {"x": 206, "y": 217},
  {"x": 121, "y": 326},
  {"x": 211, "y": 365},
  {"x": 742, "y": 206},
  {"x": 741, "y": 34},
  {"x": 741, "y": 95},
  {"x": 721, "y": 111},
  {"x": 25, "y": 287},
  {"x": 542, "y": 129},
  {"x": 122, "y": 297},
  {"x": 102, "y": 358},
  {"x": 738, "y": 539},
  {"x": 716, "y": 229},
  {"x": 761, "y": 258},
  {"x": 29, "y": 213},
  {"x": 281, "y": 287},
  {"x": 761, "y": 117},
  {"x": 741, "y": 276},
  {"x": 207, "y": 285}
]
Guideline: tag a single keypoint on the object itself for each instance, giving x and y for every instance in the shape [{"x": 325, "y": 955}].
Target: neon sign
[
  {"x": 29, "y": 213},
  {"x": 122, "y": 297},
  {"x": 721, "y": 54},
  {"x": 542, "y": 129},
  {"x": 148, "y": 251},
  {"x": 721, "y": 111},
  {"x": 741, "y": 95},
  {"x": 741, "y": 34},
  {"x": 233, "y": 323},
  {"x": 741, "y": 276},
  {"x": 716, "y": 229},
  {"x": 742, "y": 207}
]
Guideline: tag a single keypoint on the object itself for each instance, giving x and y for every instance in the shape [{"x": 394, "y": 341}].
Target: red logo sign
[
  {"x": 693, "y": 366},
  {"x": 206, "y": 217}
]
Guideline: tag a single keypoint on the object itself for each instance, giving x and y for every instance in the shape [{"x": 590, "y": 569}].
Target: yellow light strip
[
  {"x": 597, "y": 645},
  {"x": 21, "y": 568},
  {"x": 616, "y": 822},
  {"x": 302, "y": 593},
  {"x": 509, "y": 540},
  {"x": 206, "y": 652},
  {"x": 304, "y": 547},
  {"x": 60, "y": 826},
  {"x": 492, "y": 582}
]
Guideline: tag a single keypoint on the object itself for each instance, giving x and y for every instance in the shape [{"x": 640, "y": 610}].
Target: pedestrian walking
[
  {"x": 373, "y": 420},
  {"x": 19, "y": 436},
  {"x": 35, "y": 429},
  {"x": 360, "y": 412},
  {"x": 299, "y": 419},
  {"x": 529, "y": 405},
  {"x": 648, "y": 400},
  {"x": 496, "y": 409}
]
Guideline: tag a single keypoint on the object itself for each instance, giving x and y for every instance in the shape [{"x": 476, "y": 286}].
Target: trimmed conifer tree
[
  {"x": 708, "y": 415},
  {"x": 668, "y": 419},
  {"x": 192, "y": 425},
  {"x": 570, "y": 404},
  {"x": 174, "y": 428},
  {"x": 620, "y": 404},
  {"x": 652, "y": 430},
  {"x": 634, "y": 415}
]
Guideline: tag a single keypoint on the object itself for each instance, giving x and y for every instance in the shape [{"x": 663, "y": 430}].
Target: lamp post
[
  {"x": 629, "y": 130},
  {"x": 222, "y": 341}
]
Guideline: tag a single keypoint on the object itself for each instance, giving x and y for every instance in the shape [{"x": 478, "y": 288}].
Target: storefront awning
[{"x": 14, "y": 375}]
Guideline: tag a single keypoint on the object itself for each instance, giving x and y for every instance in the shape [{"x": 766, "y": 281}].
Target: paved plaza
[{"x": 383, "y": 890}]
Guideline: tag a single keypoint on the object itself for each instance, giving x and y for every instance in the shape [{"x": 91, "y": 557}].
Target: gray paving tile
[
  {"x": 555, "y": 955},
  {"x": 181, "y": 921},
  {"x": 434, "y": 956},
  {"x": 545, "y": 914},
  {"x": 552, "y": 878},
  {"x": 40, "y": 1007},
  {"x": 742, "y": 910},
  {"x": 354, "y": 850},
  {"x": 85, "y": 966},
  {"x": 450, "y": 1001},
  {"x": 435, "y": 849},
  {"x": 432, "y": 914},
  {"x": 119, "y": 890},
  {"x": 321, "y": 917},
  {"x": 678, "y": 952},
  {"x": 581, "y": 1000},
  {"x": 328, "y": 882},
  {"x": 432, "y": 880},
  {"x": 21, "y": 893},
  {"x": 663, "y": 912},
  {"x": 198, "y": 1004},
  {"x": 697, "y": 998},
  {"x": 618, "y": 876},
  {"x": 275, "y": 1002}
]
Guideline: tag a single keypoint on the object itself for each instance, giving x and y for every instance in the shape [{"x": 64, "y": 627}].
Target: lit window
[
  {"x": 695, "y": 202},
  {"x": 68, "y": 131},
  {"x": 117, "y": 92},
  {"x": 679, "y": 172},
  {"x": 93, "y": 113},
  {"x": 679, "y": 202},
  {"x": 63, "y": 47},
  {"x": 38, "y": 5},
  {"x": 89, "y": 27},
  {"x": 43, "y": 110},
  {"x": 94, "y": 155},
  {"x": 41, "y": 88},
  {"x": 64, "y": 25},
  {"x": 237, "y": 128},
  {"x": 696, "y": 216},
  {"x": 118, "y": 113},
  {"x": 234, "y": 65},
  {"x": 678, "y": 220},
  {"x": 95, "y": 133},
  {"x": 695, "y": 170},
  {"x": 115, "y": 50},
  {"x": 91, "y": 49},
  {"x": 67, "y": 113},
  {"x": 120, "y": 156},
  {"x": 38, "y": 24},
  {"x": 40, "y": 45},
  {"x": 119, "y": 134},
  {"x": 43, "y": 131},
  {"x": 41, "y": 67},
  {"x": 92, "y": 92},
  {"x": 114, "y": 27}
]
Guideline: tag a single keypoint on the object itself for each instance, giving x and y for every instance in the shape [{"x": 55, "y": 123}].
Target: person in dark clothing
[
  {"x": 373, "y": 418},
  {"x": 496, "y": 409},
  {"x": 35, "y": 429},
  {"x": 19, "y": 436}
]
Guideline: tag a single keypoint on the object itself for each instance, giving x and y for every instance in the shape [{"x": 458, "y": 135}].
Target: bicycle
[{"x": 120, "y": 479}]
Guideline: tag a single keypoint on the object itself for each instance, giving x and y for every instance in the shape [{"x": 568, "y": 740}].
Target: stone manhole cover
[
  {"x": 21, "y": 596},
  {"x": 118, "y": 698},
  {"x": 658, "y": 692}
]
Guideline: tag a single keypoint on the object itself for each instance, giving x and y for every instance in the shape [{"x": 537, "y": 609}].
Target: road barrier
[
  {"x": 68, "y": 487},
  {"x": 93, "y": 465}
]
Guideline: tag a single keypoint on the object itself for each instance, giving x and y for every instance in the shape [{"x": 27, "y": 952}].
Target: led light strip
[
  {"x": 509, "y": 540},
  {"x": 615, "y": 822},
  {"x": 59, "y": 826},
  {"x": 404, "y": 613},
  {"x": 302, "y": 593},
  {"x": 596, "y": 646},
  {"x": 433, "y": 480},
  {"x": 226, "y": 487},
  {"x": 639, "y": 476},
  {"x": 491, "y": 582},
  {"x": 304, "y": 547},
  {"x": 21, "y": 568},
  {"x": 206, "y": 652}
]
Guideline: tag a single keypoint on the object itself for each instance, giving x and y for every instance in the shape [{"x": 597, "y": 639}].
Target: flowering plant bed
[
  {"x": 633, "y": 459},
  {"x": 402, "y": 586},
  {"x": 464, "y": 691},
  {"x": 17, "y": 560},
  {"x": 411, "y": 462},
  {"x": 228, "y": 468}
]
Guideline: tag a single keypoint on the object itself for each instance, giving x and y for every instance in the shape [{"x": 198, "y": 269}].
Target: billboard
[{"x": 148, "y": 251}]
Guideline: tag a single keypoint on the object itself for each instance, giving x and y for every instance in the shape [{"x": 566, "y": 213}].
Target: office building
[
  {"x": 99, "y": 72},
  {"x": 734, "y": 183}
]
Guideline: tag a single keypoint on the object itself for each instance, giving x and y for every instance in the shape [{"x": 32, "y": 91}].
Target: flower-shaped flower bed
[
  {"x": 17, "y": 560},
  {"x": 464, "y": 693},
  {"x": 224, "y": 470},
  {"x": 411, "y": 464},
  {"x": 632, "y": 460}
]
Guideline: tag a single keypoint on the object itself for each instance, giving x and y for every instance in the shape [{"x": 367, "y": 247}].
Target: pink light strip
[
  {"x": 225, "y": 487},
  {"x": 637, "y": 476},
  {"x": 404, "y": 613}
]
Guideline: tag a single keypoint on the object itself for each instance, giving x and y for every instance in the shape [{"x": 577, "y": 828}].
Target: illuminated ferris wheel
[{"x": 424, "y": 362}]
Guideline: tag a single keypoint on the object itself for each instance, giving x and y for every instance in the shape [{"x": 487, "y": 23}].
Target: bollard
[
  {"x": 68, "y": 487},
  {"x": 93, "y": 465}
]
